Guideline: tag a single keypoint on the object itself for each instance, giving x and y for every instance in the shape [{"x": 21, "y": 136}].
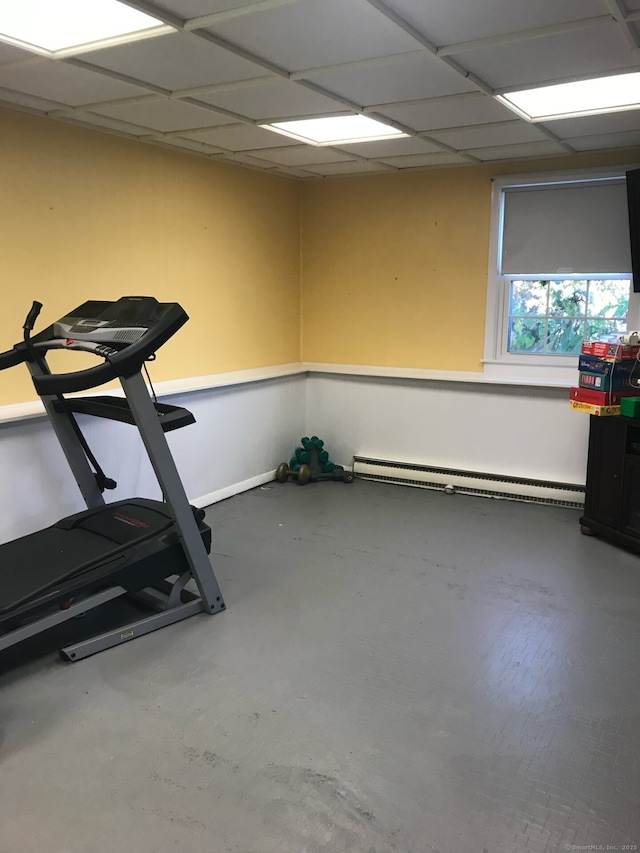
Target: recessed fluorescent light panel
[
  {"x": 581, "y": 98},
  {"x": 335, "y": 130},
  {"x": 67, "y": 27}
]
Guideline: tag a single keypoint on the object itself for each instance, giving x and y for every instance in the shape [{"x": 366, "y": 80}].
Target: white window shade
[{"x": 567, "y": 228}]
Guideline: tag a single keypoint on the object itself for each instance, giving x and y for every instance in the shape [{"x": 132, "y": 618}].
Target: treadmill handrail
[
  {"x": 15, "y": 355},
  {"x": 126, "y": 362}
]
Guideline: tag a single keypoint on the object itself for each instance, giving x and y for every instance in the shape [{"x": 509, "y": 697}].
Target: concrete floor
[{"x": 397, "y": 670}]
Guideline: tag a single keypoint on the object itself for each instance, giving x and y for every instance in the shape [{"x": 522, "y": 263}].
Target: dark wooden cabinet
[{"x": 612, "y": 499}]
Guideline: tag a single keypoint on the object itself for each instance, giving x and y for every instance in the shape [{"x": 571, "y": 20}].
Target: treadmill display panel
[{"x": 120, "y": 323}]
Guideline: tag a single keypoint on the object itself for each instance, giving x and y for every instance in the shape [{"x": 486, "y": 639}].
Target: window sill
[{"x": 521, "y": 373}]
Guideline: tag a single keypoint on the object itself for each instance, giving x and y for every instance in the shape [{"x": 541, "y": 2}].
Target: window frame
[{"x": 498, "y": 363}]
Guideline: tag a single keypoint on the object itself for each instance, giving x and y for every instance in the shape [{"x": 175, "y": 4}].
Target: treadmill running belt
[{"x": 33, "y": 564}]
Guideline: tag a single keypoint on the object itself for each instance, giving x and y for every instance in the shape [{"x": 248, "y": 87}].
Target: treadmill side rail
[
  {"x": 124, "y": 633},
  {"x": 166, "y": 472},
  {"x": 168, "y": 604},
  {"x": 50, "y": 620}
]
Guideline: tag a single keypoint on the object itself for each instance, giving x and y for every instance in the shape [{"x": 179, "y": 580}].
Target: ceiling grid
[{"x": 429, "y": 70}]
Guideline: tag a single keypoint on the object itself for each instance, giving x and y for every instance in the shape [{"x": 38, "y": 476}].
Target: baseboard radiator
[{"x": 451, "y": 480}]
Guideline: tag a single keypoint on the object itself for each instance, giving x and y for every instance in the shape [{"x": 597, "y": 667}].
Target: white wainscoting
[
  {"x": 242, "y": 432},
  {"x": 244, "y": 429},
  {"x": 492, "y": 428}
]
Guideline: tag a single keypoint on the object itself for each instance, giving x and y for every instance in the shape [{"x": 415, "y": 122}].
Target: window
[
  {"x": 560, "y": 272},
  {"x": 553, "y": 316}
]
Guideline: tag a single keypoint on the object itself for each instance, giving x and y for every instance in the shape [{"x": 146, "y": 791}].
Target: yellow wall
[
  {"x": 86, "y": 215},
  {"x": 379, "y": 270},
  {"x": 395, "y": 265}
]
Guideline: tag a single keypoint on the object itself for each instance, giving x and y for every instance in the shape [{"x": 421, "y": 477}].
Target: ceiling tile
[
  {"x": 452, "y": 21},
  {"x": 250, "y": 158},
  {"x": 90, "y": 119},
  {"x": 413, "y": 161},
  {"x": 256, "y": 162},
  {"x": 273, "y": 98},
  {"x": 600, "y": 124},
  {"x": 239, "y": 137},
  {"x": 176, "y": 61},
  {"x": 391, "y": 147},
  {"x": 313, "y": 33},
  {"x": 347, "y": 168},
  {"x": 64, "y": 83},
  {"x": 629, "y": 139},
  {"x": 11, "y": 53},
  {"x": 500, "y": 133},
  {"x": 250, "y": 163},
  {"x": 581, "y": 52},
  {"x": 187, "y": 144},
  {"x": 455, "y": 111},
  {"x": 514, "y": 152},
  {"x": 8, "y": 96},
  {"x": 198, "y": 8},
  {"x": 418, "y": 75},
  {"x": 165, "y": 114},
  {"x": 300, "y": 155},
  {"x": 289, "y": 172}
]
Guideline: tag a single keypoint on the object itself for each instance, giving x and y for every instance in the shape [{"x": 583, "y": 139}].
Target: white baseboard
[{"x": 234, "y": 489}]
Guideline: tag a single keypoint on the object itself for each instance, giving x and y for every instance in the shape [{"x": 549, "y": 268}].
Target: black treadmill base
[{"x": 147, "y": 560}]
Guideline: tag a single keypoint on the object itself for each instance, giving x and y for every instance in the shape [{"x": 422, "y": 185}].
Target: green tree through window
[{"x": 554, "y": 316}]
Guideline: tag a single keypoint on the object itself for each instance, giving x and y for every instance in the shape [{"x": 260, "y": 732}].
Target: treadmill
[{"x": 141, "y": 549}]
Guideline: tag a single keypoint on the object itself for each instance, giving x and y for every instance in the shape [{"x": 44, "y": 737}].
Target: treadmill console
[
  {"x": 126, "y": 333},
  {"x": 118, "y": 323}
]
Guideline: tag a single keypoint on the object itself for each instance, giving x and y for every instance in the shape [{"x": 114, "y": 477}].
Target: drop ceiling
[{"x": 429, "y": 68}]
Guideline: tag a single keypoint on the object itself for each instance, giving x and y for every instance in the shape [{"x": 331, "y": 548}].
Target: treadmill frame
[{"x": 169, "y": 600}]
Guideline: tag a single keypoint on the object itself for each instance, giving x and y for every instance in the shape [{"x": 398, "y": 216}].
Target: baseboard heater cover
[{"x": 469, "y": 482}]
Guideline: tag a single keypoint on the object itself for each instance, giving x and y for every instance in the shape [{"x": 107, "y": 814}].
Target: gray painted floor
[{"x": 397, "y": 670}]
